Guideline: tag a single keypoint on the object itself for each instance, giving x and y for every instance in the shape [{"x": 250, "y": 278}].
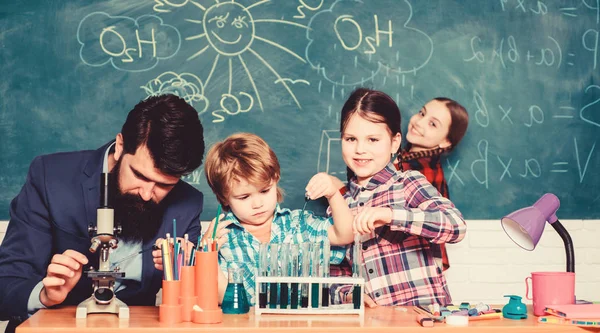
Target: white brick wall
[
  {"x": 487, "y": 265},
  {"x": 3, "y": 225}
]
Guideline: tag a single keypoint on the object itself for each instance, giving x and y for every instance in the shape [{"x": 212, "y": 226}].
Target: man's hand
[
  {"x": 62, "y": 275},
  {"x": 157, "y": 254}
]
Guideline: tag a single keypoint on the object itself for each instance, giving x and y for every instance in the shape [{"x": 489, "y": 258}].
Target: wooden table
[{"x": 380, "y": 320}]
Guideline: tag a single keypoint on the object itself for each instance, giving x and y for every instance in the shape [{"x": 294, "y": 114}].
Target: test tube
[
  {"x": 305, "y": 272},
  {"x": 263, "y": 267},
  {"x": 274, "y": 267},
  {"x": 315, "y": 287},
  {"x": 283, "y": 297},
  {"x": 325, "y": 273},
  {"x": 294, "y": 293},
  {"x": 356, "y": 270}
]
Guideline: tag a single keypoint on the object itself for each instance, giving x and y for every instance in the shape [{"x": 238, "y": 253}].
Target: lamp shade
[{"x": 525, "y": 226}]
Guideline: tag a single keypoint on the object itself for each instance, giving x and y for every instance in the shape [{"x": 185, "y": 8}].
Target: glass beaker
[{"x": 235, "y": 300}]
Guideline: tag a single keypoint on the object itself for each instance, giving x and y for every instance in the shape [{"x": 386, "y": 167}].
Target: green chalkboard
[{"x": 526, "y": 70}]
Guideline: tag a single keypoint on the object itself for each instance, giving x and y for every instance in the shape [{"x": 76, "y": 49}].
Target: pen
[
  {"x": 486, "y": 316},
  {"x": 186, "y": 238},
  {"x": 424, "y": 321},
  {"x": 153, "y": 247},
  {"x": 167, "y": 263}
]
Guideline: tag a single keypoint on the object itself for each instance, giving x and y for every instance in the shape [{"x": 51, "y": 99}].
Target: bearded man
[{"x": 46, "y": 247}]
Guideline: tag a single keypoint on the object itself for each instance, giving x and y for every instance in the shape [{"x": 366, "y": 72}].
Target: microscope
[{"x": 103, "y": 298}]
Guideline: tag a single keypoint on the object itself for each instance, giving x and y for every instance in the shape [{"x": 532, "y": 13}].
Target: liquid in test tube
[
  {"x": 325, "y": 273},
  {"x": 263, "y": 268},
  {"x": 274, "y": 267},
  {"x": 284, "y": 289},
  {"x": 294, "y": 293},
  {"x": 315, "y": 287},
  {"x": 306, "y": 247},
  {"x": 356, "y": 270}
]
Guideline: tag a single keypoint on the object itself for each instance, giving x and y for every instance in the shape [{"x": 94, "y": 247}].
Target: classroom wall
[
  {"x": 487, "y": 265},
  {"x": 527, "y": 72},
  {"x": 3, "y": 225}
]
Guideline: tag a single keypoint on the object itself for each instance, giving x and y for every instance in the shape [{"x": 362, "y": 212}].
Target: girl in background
[{"x": 435, "y": 130}]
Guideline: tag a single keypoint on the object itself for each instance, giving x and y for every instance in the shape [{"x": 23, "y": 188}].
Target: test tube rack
[{"x": 347, "y": 308}]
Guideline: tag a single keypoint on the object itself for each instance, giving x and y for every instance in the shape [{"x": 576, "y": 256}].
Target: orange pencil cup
[
  {"x": 187, "y": 297},
  {"x": 170, "y": 309},
  {"x": 207, "y": 289}
]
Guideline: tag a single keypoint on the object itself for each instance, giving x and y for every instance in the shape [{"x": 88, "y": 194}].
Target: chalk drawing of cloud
[
  {"x": 131, "y": 45},
  {"x": 185, "y": 85},
  {"x": 353, "y": 41}
]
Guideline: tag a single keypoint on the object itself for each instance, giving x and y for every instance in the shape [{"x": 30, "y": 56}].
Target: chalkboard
[{"x": 527, "y": 71}]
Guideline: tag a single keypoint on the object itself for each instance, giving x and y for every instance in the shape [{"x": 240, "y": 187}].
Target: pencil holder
[
  {"x": 207, "y": 289},
  {"x": 170, "y": 309},
  {"x": 187, "y": 297}
]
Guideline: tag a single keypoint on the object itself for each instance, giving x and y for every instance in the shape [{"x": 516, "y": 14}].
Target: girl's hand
[
  {"x": 323, "y": 185},
  {"x": 369, "y": 302},
  {"x": 222, "y": 231},
  {"x": 371, "y": 218}
]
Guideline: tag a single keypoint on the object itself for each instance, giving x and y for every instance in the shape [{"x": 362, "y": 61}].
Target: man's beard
[{"x": 139, "y": 219}]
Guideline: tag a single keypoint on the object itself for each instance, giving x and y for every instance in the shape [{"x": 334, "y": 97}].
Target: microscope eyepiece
[{"x": 106, "y": 190}]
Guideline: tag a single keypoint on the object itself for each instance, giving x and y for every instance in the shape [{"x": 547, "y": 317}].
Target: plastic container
[
  {"x": 170, "y": 310},
  {"x": 187, "y": 297},
  {"x": 207, "y": 289}
]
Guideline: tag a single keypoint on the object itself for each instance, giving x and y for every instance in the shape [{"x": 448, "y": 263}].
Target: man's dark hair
[{"x": 170, "y": 129}]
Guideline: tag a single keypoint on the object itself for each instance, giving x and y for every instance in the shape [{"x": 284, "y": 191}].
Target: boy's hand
[
  {"x": 370, "y": 218},
  {"x": 157, "y": 254},
  {"x": 222, "y": 231},
  {"x": 323, "y": 185}
]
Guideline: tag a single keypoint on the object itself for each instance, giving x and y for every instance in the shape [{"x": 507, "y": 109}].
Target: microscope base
[{"x": 90, "y": 306}]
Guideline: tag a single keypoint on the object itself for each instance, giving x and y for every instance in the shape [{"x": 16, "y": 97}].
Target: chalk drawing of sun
[{"x": 229, "y": 30}]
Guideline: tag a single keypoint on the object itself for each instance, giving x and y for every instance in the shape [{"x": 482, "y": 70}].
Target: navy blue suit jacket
[{"x": 51, "y": 214}]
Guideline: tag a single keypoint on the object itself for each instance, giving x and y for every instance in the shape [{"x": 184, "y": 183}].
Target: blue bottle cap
[{"x": 515, "y": 309}]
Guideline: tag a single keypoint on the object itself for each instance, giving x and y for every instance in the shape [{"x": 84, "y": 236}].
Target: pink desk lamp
[{"x": 525, "y": 226}]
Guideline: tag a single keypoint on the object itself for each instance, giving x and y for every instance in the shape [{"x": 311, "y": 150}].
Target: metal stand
[
  {"x": 117, "y": 307},
  {"x": 564, "y": 235},
  {"x": 331, "y": 309}
]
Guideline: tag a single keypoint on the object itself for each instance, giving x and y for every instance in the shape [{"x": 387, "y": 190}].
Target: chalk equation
[
  {"x": 128, "y": 44},
  {"x": 515, "y": 50},
  {"x": 535, "y": 115},
  {"x": 539, "y": 7},
  {"x": 506, "y": 51},
  {"x": 355, "y": 36},
  {"x": 330, "y": 161},
  {"x": 529, "y": 167}
]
